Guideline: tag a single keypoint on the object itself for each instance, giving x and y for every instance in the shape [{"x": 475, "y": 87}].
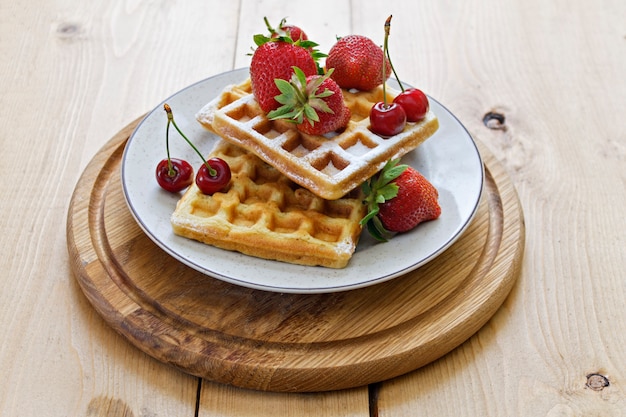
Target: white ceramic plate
[{"x": 449, "y": 159}]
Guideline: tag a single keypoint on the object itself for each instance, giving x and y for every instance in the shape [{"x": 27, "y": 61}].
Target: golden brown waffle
[
  {"x": 264, "y": 214},
  {"x": 330, "y": 165}
]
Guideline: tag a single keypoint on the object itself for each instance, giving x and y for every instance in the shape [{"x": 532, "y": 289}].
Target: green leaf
[
  {"x": 377, "y": 230},
  {"x": 284, "y": 86},
  {"x": 260, "y": 39},
  {"x": 388, "y": 192},
  {"x": 310, "y": 114},
  {"x": 365, "y": 187},
  {"x": 319, "y": 104},
  {"x": 391, "y": 171},
  {"x": 378, "y": 189},
  {"x": 283, "y": 112},
  {"x": 300, "y": 76},
  {"x": 374, "y": 232},
  {"x": 306, "y": 43},
  {"x": 316, "y": 54},
  {"x": 326, "y": 93},
  {"x": 370, "y": 215}
]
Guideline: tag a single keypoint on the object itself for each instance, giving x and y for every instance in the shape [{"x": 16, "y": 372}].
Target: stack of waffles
[{"x": 293, "y": 197}]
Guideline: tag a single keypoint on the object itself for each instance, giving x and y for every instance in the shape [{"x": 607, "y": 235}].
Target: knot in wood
[
  {"x": 597, "y": 382},
  {"x": 494, "y": 120},
  {"x": 68, "y": 30}
]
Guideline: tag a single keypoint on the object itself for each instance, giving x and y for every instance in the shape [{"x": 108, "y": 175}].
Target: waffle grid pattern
[
  {"x": 264, "y": 214},
  {"x": 330, "y": 165}
]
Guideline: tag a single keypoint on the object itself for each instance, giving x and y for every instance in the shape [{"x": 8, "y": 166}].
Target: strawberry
[
  {"x": 358, "y": 63},
  {"x": 285, "y": 30},
  {"x": 275, "y": 59},
  {"x": 398, "y": 199},
  {"x": 315, "y": 103}
]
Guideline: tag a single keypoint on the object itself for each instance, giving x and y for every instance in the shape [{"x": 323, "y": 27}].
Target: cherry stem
[
  {"x": 385, "y": 49},
  {"x": 170, "y": 168},
  {"x": 387, "y": 31},
  {"x": 170, "y": 119}
]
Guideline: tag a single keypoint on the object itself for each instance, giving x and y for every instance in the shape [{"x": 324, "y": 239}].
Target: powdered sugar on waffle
[{"x": 329, "y": 166}]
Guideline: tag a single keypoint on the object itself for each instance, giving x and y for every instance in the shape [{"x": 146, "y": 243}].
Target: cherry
[
  {"x": 213, "y": 176},
  {"x": 174, "y": 174},
  {"x": 387, "y": 120},
  {"x": 414, "y": 102}
]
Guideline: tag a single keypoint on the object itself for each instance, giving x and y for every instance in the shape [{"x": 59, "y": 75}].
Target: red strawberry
[
  {"x": 285, "y": 30},
  {"x": 399, "y": 198},
  {"x": 358, "y": 63},
  {"x": 315, "y": 103},
  {"x": 415, "y": 203},
  {"x": 275, "y": 60}
]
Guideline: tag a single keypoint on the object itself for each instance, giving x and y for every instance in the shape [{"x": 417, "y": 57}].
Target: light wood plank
[
  {"x": 555, "y": 77},
  {"x": 72, "y": 74},
  {"x": 221, "y": 400}
]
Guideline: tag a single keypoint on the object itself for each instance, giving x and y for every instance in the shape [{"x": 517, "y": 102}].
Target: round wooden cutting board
[{"x": 287, "y": 342}]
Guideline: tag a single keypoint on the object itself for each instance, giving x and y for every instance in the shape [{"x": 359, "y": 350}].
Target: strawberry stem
[
  {"x": 267, "y": 24},
  {"x": 170, "y": 119}
]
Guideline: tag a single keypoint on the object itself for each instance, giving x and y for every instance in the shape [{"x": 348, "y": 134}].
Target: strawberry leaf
[
  {"x": 377, "y": 230},
  {"x": 387, "y": 192},
  {"x": 300, "y": 99},
  {"x": 378, "y": 189},
  {"x": 298, "y": 79},
  {"x": 260, "y": 39},
  {"x": 391, "y": 171},
  {"x": 366, "y": 188},
  {"x": 317, "y": 103},
  {"x": 310, "y": 114},
  {"x": 287, "y": 90},
  {"x": 286, "y": 112}
]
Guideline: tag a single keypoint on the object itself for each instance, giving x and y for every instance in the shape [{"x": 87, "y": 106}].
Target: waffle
[
  {"x": 264, "y": 214},
  {"x": 331, "y": 165}
]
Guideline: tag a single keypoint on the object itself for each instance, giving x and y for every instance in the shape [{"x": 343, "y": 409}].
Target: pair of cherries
[
  {"x": 411, "y": 105},
  {"x": 174, "y": 174},
  {"x": 389, "y": 119}
]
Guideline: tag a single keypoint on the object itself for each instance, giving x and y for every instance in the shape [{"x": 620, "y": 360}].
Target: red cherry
[
  {"x": 414, "y": 102},
  {"x": 176, "y": 179},
  {"x": 211, "y": 182},
  {"x": 387, "y": 119}
]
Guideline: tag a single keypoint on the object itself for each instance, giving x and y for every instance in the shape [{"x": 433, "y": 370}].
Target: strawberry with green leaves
[
  {"x": 314, "y": 103},
  {"x": 284, "y": 30},
  {"x": 274, "y": 58},
  {"x": 358, "y": 63},
  {"x": 398, "y": 199}
]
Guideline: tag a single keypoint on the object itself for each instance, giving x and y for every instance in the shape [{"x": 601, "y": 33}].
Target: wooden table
[{"x": 540, "y": 84}]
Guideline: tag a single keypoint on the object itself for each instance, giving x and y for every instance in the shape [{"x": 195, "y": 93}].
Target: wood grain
[
  {"x": 287, "y": 342},
  {"x": 74, "y": 73}
]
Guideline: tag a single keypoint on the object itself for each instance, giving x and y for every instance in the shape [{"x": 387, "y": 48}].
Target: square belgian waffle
[
  {"x": 331, "y": 165},
  {"x": 264, "y": 214}
]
